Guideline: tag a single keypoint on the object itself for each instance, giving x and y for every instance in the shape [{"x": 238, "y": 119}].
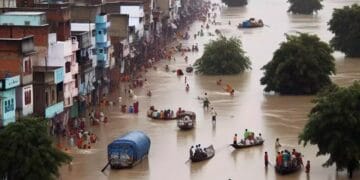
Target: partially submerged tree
[
  {"x": 334, "y": 126},
  {"x": 302, "y": 65},
  {"x": 345, "y": 24},
  {"x": 27, "y": 151},
  {"x": 304, "y": 6},
  {"x": 223, "y": 56}
]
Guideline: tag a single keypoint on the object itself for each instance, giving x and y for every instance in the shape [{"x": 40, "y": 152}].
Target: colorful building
[
  {"x": 8, "y": 84},
  {"x": 16, "y": 57}
]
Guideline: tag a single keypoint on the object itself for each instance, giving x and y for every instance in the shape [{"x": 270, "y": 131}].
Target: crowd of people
[
  {"x": 285, "y": 159},
  {"x": 162, "y": 114}
]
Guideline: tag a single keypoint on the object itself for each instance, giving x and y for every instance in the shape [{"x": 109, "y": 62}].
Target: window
[
  {"x": 105, "y": 31},
  {"x": 52, "y": 95},
  {"x": 27, "y": 97},
  {"x": 99, "y": 32},
  {"x": 76, "y": 81},
  {"x": 27, "y": 66},
  {"x": 47, "y": 98},
  {"x": 101, "y": 51},
  {"x": 9, "y": 105},
  {"x": 26, "y": 23},
  {"x": 67, "y": 67},
  {"x": 93, "y": 32}
]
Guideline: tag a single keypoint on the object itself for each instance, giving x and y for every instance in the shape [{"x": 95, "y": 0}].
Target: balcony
[
  {"x": 75, "y": 44},
  {"x": 104, "y": 25},
  {"x": 74, "y": 68},
  {"x": 54, "y": 109},
  {"x": 101, "y": 38},
  {"x": 102, "y": 18}
]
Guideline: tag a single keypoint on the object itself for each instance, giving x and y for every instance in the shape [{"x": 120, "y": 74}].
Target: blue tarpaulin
[{"x": 138, "y": 141}]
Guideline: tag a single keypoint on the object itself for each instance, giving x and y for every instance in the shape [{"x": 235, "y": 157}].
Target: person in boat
[
  {"x": 232, "y": 92},
  {"x": 187, "y": 87},
  {"x": 286, "y": 158},
  {"x": 277, "y": 143},
  {"x": 162, "y": 115},
  {"x": 235, "y": 139},
  {"x": 259, "y": 138},
  {"x": 191, "y": 151},
  {"x": 279, "y": 160},
  {"x": 246, "y": 134}
]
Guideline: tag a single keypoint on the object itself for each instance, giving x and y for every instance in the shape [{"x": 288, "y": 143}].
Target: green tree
[
  {"x": 27, "y": 151},
  {"x": 304, "y": 6},
  {"x": 223, "y": 56},
  {"x": 302, "y": 65},
  {"x": 345, "y": 24},
  {"x": 334, "y": 126}
]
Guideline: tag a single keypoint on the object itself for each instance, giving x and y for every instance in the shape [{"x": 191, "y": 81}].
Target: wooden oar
[{"x": 103, "y": 169}]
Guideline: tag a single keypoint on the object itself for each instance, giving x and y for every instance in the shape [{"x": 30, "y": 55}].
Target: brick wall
[{"x": 40, "y": 33}]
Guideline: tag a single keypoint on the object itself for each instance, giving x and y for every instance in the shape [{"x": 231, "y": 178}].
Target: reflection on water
[{"x": 272, "y": 115}]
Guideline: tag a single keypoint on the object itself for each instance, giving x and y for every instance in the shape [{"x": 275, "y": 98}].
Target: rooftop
[
  {"x": 81, "y": 27},
  {"x": 21, "y": 13}
]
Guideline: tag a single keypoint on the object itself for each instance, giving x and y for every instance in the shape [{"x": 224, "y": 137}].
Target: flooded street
[{"x": 272, "y": 115}]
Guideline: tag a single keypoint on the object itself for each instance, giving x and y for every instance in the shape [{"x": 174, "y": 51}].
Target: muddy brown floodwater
[{"x": 272, "y": 115}]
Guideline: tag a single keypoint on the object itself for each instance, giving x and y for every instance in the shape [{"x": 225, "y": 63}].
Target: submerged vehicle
[
  {"x": 128, "y": 150},
  {"x": 187, "y": 120}
]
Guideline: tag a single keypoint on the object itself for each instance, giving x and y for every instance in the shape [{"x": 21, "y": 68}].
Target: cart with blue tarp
[{"x": 128, "y": 150}]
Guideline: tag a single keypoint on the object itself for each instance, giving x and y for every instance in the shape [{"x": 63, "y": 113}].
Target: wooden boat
[
  {"x": 235, "y": 3},
  {"x": 187, "y": 120},
  {"x": 240, "y": 145},
  {"x": 152, "y": 110},
  {"x": 287, "y": 170},
  {"x": 251, "y": 23},
  {"x": 209, "y": 153}
]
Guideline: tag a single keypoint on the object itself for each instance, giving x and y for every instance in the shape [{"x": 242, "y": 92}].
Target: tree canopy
[
  {"x": 345, "y": 24},
  {"x": 334, "y": 126},
  {"x": 223, "y": 56},
  {"x": 302, "y": 65},
  {"x": 27, "y": 152},
  {"x": 304, "y": 6}
]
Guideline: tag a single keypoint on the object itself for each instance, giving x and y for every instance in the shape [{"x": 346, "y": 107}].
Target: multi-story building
[
  {"x": 104, "y": 54},
  {"x": 18, "y": 24},
  {"x": 8, "y": 83},
  {"x": 16, "y": 57},
  {"x": 85, "y": 33},
  {"x": 48, "y": 91}
]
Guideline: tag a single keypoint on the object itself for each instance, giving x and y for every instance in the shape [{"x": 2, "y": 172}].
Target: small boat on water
[
  {"x": 189, "y": 69},
  {"x": 187, "y": 120},
  {"x": 207, "y": 153},
  {"x": 251, "y": 23},
  {"x": 287, "y": 170},
  {"x": 244, "y": 145},
  {"x": 161, "y": 115}
]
